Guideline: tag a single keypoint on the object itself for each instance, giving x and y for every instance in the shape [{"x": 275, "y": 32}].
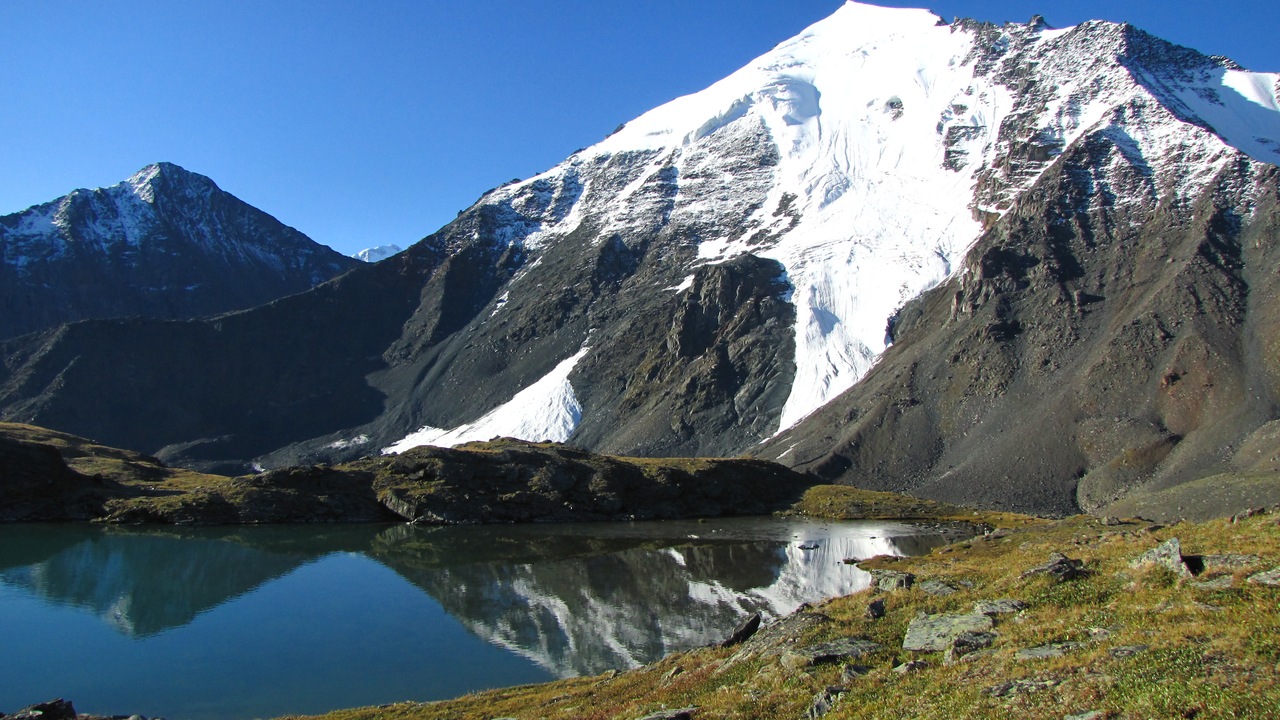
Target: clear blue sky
[{"x": 364, "y": 123}]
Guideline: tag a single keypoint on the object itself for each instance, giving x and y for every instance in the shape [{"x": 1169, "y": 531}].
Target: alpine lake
[{"x": 261, "y": 621}]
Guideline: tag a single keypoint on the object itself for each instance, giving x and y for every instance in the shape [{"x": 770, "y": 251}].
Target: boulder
[
  {"x": 875, "y": 609},
  {"x": 936, "y": 633},
  {"x": 1167, "y": 555},
  {"x": 744, "y": 631},
  {"x": 891, "y": 580},
  {"x": 825, "y": 701},
  {"x": 58, "y": 709},
  {"x": 831, "y": 652},
  {"x": 1060, "y": 567},
  {"x": 1002, "y": 606}
]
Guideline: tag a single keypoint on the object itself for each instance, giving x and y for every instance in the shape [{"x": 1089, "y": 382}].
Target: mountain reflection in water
[
  {"x": 572, "y": 599},
  {"x": 581, "y": 604}
]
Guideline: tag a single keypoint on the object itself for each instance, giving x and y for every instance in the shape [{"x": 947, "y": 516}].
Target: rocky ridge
[{"x": 53, "y": 476}]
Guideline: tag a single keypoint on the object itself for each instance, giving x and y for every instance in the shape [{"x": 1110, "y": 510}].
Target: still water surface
[{"x": 264, "y": 621}]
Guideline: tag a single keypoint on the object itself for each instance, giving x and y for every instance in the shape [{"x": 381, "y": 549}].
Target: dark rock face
[
  {"x": 212, "y": 393},
  {"x": 166, "y": 243},
  {"x": 1088, "y": 350}
]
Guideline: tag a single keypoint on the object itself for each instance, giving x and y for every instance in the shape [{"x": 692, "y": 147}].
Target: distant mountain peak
[
  {"x": 165, "y": 242},
  {"x": 375, "y": 254}
]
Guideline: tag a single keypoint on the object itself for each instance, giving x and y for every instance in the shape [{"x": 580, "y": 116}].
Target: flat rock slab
[
  {"x": 1019, "y": 687},
  {"x": 935, "y": 633},
  {"x": 1224, "y": 563},
  {"x": 1167, "y": 555},
  {"x": 937, "y": 588},
  {"x": 1051, "y": 650},
  {"x": 678, "y": 714},
  {"x": 831, "y": 652},
  {"x": 1125, "y": 651},
  {"x": 1002, "y": 606},
  {"x": 1267, "y": 577}
]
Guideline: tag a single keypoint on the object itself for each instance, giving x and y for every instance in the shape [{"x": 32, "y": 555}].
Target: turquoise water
[{"x": 266, "y": 621}]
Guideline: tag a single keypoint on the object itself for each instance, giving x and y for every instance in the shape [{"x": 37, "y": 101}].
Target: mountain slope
[
  {"x": 166, "y": 243},
  {"x": 727, "y": 265}
]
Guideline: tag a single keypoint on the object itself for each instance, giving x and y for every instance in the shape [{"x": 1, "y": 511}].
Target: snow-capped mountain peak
[
  {"x": 895, "y": 138},
  {"x": 165, "y": 242},
  {"x": 375, "y": 254}
]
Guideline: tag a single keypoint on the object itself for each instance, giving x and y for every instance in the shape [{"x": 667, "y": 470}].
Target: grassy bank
[{"x": 1131, "y": 641}]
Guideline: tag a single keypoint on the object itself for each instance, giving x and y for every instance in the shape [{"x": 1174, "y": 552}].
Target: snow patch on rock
[{"x": 547, "y": 410}]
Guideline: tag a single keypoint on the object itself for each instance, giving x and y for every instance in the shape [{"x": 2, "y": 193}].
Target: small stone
[
  {"x": 1091, "y": 715},
  {"x": 853, "y": 672},
  {"x": 1167, "y": 555},
  {"x": 1111, "y": 521},
  {"x": 891, "y": 580},
  {"x": 825, "y": 701},
  {"x": 1267, "y": 577},
  {"x": 1060, "y": 567},
  {"x": 1003, "y": 606},
  {"x": 1099, "y": 633},
  {"x": 910, "y": 667},
  {"x": 875, "y": 609},
  {"x": 936, "y": 588},
  {"x": 1042, "y": 652},
  {"x": 935, "y": 633},
  {"x": 1125, "y": 651},
  {"x": 671, "y": 675}
]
